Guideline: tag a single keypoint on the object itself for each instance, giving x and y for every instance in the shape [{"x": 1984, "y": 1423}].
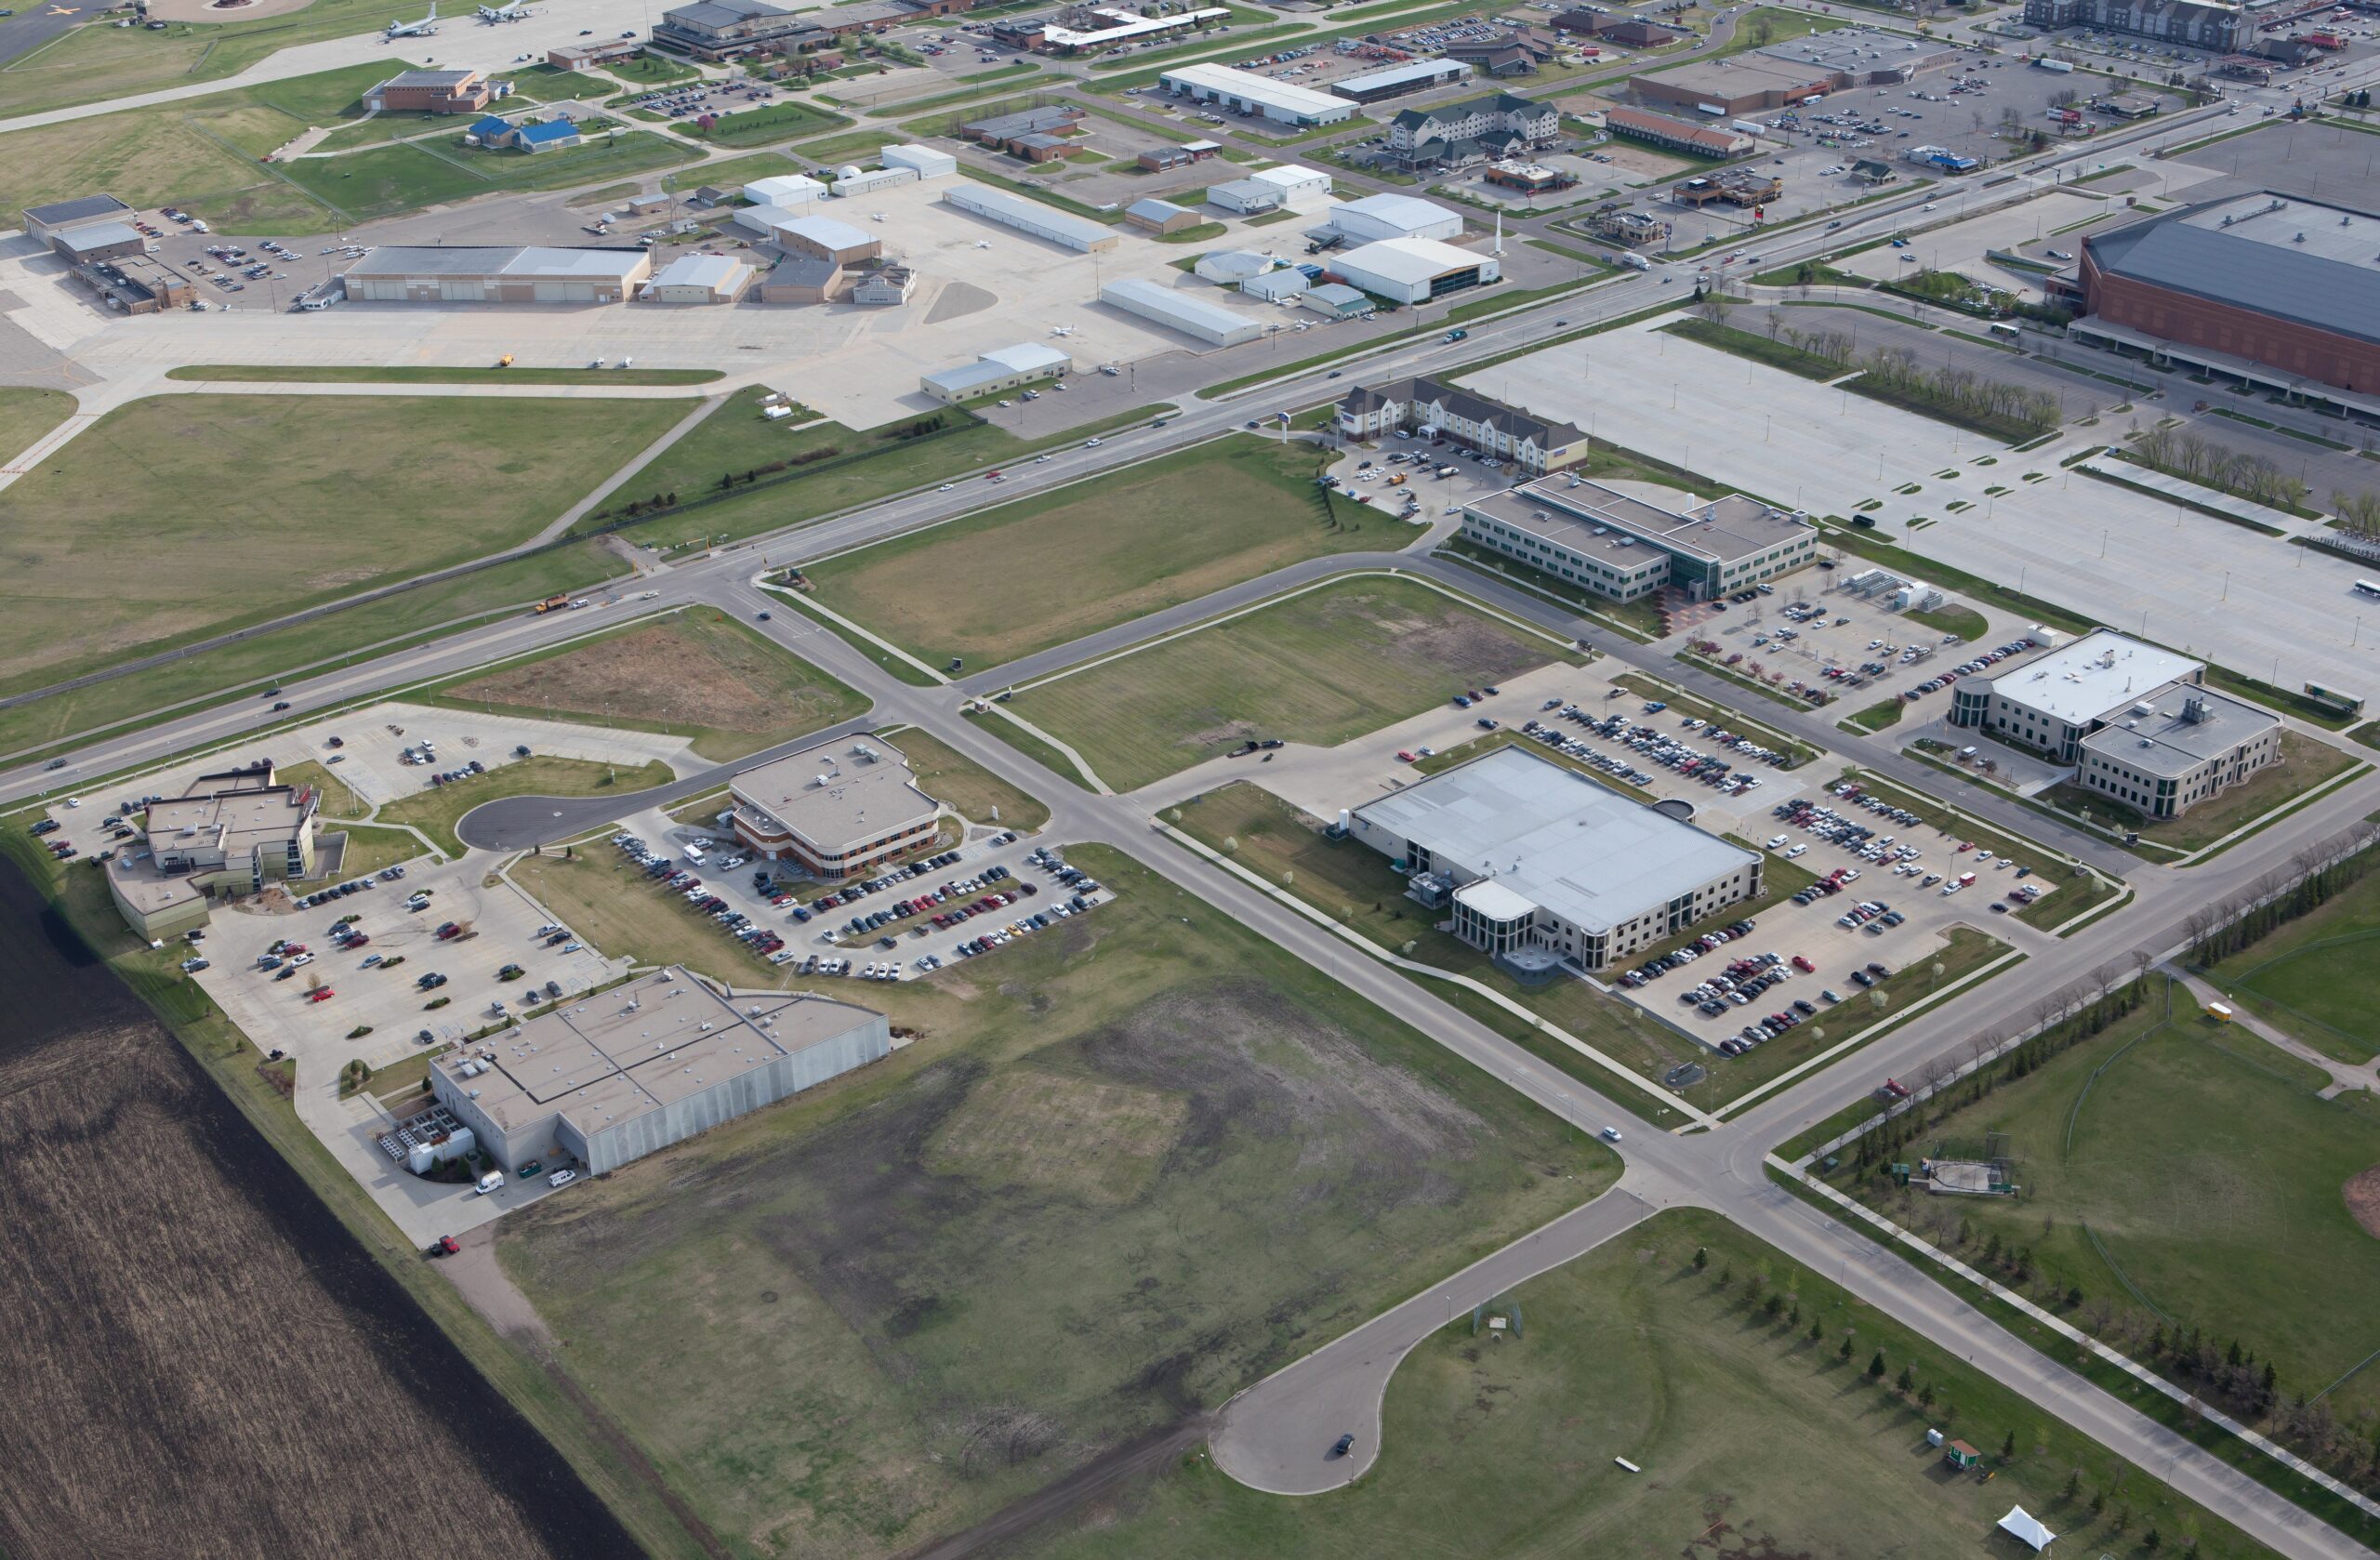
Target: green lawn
[
  {"x": 2179, "y": 1173},
  {"x": 150, "y": 483},
  {"x": 244, "y": 669},
  {"x": 97, "y": 63},
  {"x": 1054, "y": 567},
  {"x": 545, "y": 84},
  {"x": 1506, "y": 1447},
  {"x": 777, "y": 122},
  {"x": 697, "y": 673},
  {"x": 1952, "y": 618},
  {"x": 733, "y": 437},
  {"x": 2317, "y": 977},
  {"x": 1876, "y": 716},
  {"x": 434, "y": 809},
  {"x": 1355, "y": 884},
  {"x": 348, "y": 374},
  {"x": 2306, "y": 763},
  {"x": 650, "y": 70},
  {"x": 201, "y": 154},
  {"x": 29, "y": 414},
  {"x": 387, "y": 180},
  {"x": 730, "y": 173},
  {"x": 1323, "y": 666},
  {"x": 978, "y": 794},
  {"x": 1127, "y": 1167}
]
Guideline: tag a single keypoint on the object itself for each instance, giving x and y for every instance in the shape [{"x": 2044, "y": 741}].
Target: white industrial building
[
  {"x": 609, "y": 1079},
  {"x": 2137, "y": 721},
  {"x": 857, "y": 180},
  {"x": 1000, "y": 369},
  {"x": 1277, "y": 286},
  {"x": 1383, "y": 217},
  {"x": 785, "y": 188},
  {"x": 1414, "y": 270},
  {"x": 824, "y": 238},
  {"x": 1420, "y": 75},
  {"x": 1246, "y": 92},
  {"x": 924, "y": 161},
  {"x": 700, "y": 279},
  {"x": 1538, "y": 866},
  {"x": 1191, "y": 315},
  {"x": 1232, "y": 267},
  {"x": 1245, "y": 197},
  {"x": 1029, "y": 217},
  {"x": 488, "y": 273},
  {"x": 1302, "y": 188}
]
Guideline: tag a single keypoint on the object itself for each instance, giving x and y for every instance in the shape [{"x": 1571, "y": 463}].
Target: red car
[
  {"x": 321, "y": 994},
  {"x": 1403, "y": 757},
  {"x": 1803, "y": 965}
]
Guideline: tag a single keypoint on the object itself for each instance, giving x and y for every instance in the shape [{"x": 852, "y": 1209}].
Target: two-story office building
[
  {"x": 1626, "y": 548},
  {"x": 227, "y": 833},
  {"x": 837, "y": 810}
]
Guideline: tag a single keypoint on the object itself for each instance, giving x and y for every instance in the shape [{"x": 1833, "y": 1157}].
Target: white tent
[{"x": 2028, "y": 1527}]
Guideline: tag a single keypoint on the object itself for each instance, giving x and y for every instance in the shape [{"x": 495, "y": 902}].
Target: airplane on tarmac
[
  {"x": 513, "y": 10},
  {"x": 421, "y": 29}
]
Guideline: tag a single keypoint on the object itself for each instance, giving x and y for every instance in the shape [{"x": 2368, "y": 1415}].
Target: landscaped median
[{"x": 436, "y": 809}]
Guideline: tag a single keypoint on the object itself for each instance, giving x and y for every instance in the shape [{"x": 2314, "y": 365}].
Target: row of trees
[
  {"x": 2359, "y": 513},
  {"x": 2201, "y": 460},
  {"x": 2016, "y": 410},
  {"x": 2313, "y": 876}
]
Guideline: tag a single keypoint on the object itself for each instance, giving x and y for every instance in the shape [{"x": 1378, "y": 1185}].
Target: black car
[{"x": 1342, "y": 1445}]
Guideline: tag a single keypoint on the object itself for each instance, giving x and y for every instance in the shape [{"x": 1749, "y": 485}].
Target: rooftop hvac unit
[{"x": 2194, "y": 711}]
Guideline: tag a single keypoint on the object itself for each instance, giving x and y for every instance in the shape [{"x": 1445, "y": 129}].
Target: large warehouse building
[
  {"x": 475, "y": 274},
  {"x": 1246, "y": 92},
  {"x": 1784, "y": 74},
  {"x": 1030, "y": 216},
  {"x": 1624, "y": 548},
  {"x": 2272, "y": 290},
  {"x": 1378, "y": 216},
  {"x": 837, "y": 809},
  {"x": 609, "y": 1079},
  {"x": 1187, "y": 313},
  {"x": 1538, "y": 866},
  {"x": 2138, "y": 721},
  {"x": 1420, "y": 75},
  {"x": 1414, "y": 270}
]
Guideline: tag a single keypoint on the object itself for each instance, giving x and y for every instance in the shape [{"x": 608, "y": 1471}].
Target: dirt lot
[
  {"x": 1127, "y": 1167},
  {"x": 201, "y": 1361},
  {"x": 736, "y": 692},
  {"x": 2362, "y": 1194}
]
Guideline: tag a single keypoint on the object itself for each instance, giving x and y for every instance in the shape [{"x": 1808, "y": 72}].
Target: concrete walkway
[{"x": 2344, "y": 1075}]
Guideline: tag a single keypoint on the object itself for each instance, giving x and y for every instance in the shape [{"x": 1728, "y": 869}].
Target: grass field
[
  {"x": 1353, "y": 885},
  {"x": 2180, "y": 1173},
  {"x": 650, "y": 70},
  {"x": 249, "y": 665},
  {"x": 786, "y": 121},
  {"x": 546, "y": 83},
  {"x": 1321, "y": 667},
  {"x": 2306, "y": 763},
  {"x": 2317, "y": 977},
  {"x": 1057, "y": 566},
  {"x": 976, "y": 792},
  {"x": 148, "y": 481},
  {"x": 29, "y": 414},
  {"x": 1126, "y": 1167},
  {"x": 697, "y": 673},
  {"x": 868, "y": 464},
  {"x": 733, "y": 437},
  {"x": 96, "y": 63},
  {"x": 435, "y": 810},
  {"x": 1506, "y": 1447},
  {"x": 199, "y": 153},
  {"x": 1952, "y": 618},
  {"x": 274, "y": 372},
  {"x": 730, "y": 173},
  {"x": 406, "y": 176}
]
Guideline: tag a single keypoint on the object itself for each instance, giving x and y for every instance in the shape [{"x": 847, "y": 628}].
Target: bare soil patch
[
  {"x": 1116, "y": 1135},
  {"x": 2362, "y": 1194},
  {"x": 651, "y": 674}
]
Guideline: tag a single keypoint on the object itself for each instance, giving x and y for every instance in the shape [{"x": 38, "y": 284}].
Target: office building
[
  {"x": 229, "y": 834},
  {"x": 837, "y": 811},
  {"x": 1430, "y": 409},
  {"x": 1605, "y": 541},
  {"x": 1262, "y": 97},
  {"x": 1414, "y": 270},
  {"x": 606, "y": 1078},
  {"x": 1541, "y": 866}
]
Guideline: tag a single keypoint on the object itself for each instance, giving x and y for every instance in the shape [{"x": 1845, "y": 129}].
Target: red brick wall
[{"x": 2195, "y": 322}]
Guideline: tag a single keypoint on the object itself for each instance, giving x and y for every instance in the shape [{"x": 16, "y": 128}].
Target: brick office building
[{"x": 2273, "y": 291}]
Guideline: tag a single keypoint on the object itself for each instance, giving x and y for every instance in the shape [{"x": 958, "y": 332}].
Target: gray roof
[
  {"x": 2171, "y": 744},
  {"x": 1245, "y": 189},
  {"x": 1424, "y": 392},
  {"x": 1024, "y": 122},
  {"x": 869, "y": 791},
  {"x": 1590, "y": 518},
  {"x": 444, "y": 79},
  {"x": 804, "y": 270},
  {"x": 1587, "y": 855},
  {"x": 81, "y": 208},
  {"x": 720, "y": 13},
  {"x": 100, "y": 235},
  {"x": 2310, "y": 262},
  {"x": 1148, "y": 209},
  {"x": 1495, "y": 102},
  {"x": 494, "y": 259}
]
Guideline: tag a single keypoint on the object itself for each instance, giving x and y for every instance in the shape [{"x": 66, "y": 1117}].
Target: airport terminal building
[
  {"x": 608, "y": 1079},
  {"x": 1538, "y": 866},
  {"x": 1625, "y": 548},
  {"x": 2137, "y": 721}
]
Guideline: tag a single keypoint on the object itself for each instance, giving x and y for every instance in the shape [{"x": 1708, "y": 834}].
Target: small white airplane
[
  {"x": 982, "y": 244},
  {"x": 421, "y": 29},
  {"x": 511, "y": 11},
  {"x": 876, "y": 217},
  {"x": 1061, "y": 330}
]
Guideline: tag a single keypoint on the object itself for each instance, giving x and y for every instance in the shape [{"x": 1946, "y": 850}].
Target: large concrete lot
[{"x": 2248, "y": 600}]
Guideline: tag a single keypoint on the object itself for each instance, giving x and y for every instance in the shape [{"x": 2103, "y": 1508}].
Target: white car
[
  {"x": 1611, "y": 1134},
  {"x": 1796, "y": 852},
  {"x": 1776, "y": 842},
  {"x": 562, "y": 1177}
]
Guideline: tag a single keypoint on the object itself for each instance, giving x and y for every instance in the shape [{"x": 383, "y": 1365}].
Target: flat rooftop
[
  {"x": 1588, "y": 854},
  {"x": 83, "y": 209},
  {"x": 1591, "y": 519},
  {"x": 2092, "y": 678},
  {"x": 2310, "y": 262},
  {"x": 1251, "y": 88},
  {"x": 2190, "y": 726},
  {"x": 837, "y": 792},
  {"x": 1856, "y": 50},
  {"x": 476, "y": 260},
  {"x": 638, "y": 1048}
]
